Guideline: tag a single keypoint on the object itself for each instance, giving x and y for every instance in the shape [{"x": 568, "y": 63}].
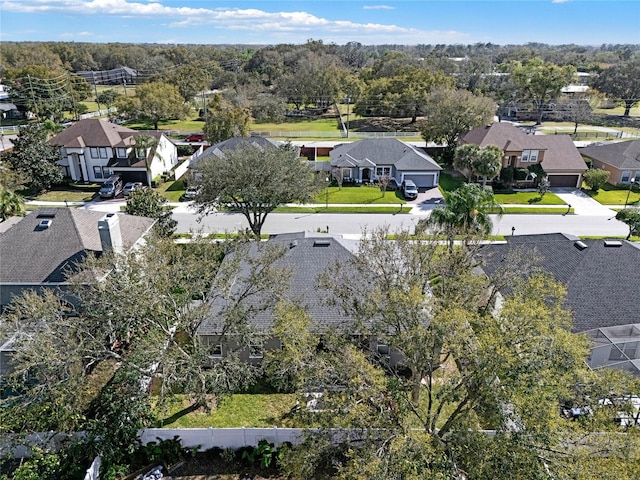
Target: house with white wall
[{"x": 92, "y": 150}]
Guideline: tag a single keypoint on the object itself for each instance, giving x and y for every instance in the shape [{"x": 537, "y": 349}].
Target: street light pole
[
  {"x": 326, "y": 202},
  {"x": 626, "y": 202}
]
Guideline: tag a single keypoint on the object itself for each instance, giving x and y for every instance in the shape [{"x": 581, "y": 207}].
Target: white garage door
[{"x": 422, "y": 181}]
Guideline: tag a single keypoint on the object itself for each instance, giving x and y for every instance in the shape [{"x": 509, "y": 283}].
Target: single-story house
[
  {"x": 601, "y": 278},
  {"x": 115, "y": 76},
  {"x": 620, "y": 159},
  {"x": 235, "y": 143},
  {"x": 92, "y": 150},
  {"x": 305, "y": 256},
  {"x": 366, "y": 160},
  {"x": 40, "y": 249},
  {"x": 556, "y": 154}
]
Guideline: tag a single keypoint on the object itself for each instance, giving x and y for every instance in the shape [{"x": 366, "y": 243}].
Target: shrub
[{"x": 595, "y": 178}]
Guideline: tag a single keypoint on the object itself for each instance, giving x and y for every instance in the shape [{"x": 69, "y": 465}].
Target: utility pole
[
  {"x": 348, "y": 102},
  {"x": 33, "y": 97},
  {"x": 95, "y": 89}
]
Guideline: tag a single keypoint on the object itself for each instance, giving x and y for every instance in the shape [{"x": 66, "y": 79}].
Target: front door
[{"x": 366, "y": 175}]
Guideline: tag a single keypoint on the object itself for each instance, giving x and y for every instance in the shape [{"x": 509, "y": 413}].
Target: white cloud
[
  {"x": 285, "y": 26},
  {"x": 378, "y": 7}
]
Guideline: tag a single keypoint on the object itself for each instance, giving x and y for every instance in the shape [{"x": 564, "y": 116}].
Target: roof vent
[
  {"x": 612, "y": 243},
  {"x": 44, "y": 224},
  {"x": 47, "y": 213},
  {"x": 293, "y": 244},
  {"x": 321, "y": 243},
  {"x": 580, "y": 245}
]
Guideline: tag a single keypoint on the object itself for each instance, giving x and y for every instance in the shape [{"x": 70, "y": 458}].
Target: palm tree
[
  {"x": 466, "y": 212},
  {"x": 11, "y": 204}
]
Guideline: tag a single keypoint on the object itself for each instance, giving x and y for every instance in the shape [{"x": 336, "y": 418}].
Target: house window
[
  {"x": 94, "y": 152},
  {"x": 534, "y": 156},
  {"x": 216, "y": 350},
  {"x": 626, "y": 177},
  {"x": 256, "y": 349},
  {"x": 122, "y": 153},
  {"x": 97, "y": 172},
  {"x": 103, "y": 152},
  {"x": 525, "y": 156},
  {"x": 380, "y": 171},
  {"x": 383, "y": 350}
]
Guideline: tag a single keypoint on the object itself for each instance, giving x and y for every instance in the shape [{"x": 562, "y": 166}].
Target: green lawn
[
  {"x": 611, "y": 195},
  {"x": 528, "y": 198},
  {"x": 62, "y": 195},
  {"x": 448, "y": 182},
  {"x": 362, "y": 194},
  {"x": 240, "y": 410},
  {"x": 537, "y": 211},
  {"x": 172, "y": 191},
  {"x": 353, "y": 209}
]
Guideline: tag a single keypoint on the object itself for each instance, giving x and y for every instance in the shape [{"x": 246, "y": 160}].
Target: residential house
[
  {"x": 115, "y": 76},
  {"x": 305, "y": 256},
  {"x": 556, "y": 154},
  {"x": 621, "y": 160},
  {"x": 92, "y": 150},
  {"x": 40, "y": 249},
  {"x": 601, "y": 278},
  {"x": 367, "y": 160}
]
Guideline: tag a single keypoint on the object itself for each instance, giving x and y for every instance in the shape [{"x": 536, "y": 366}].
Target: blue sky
[{"x": 369, "y": 22}]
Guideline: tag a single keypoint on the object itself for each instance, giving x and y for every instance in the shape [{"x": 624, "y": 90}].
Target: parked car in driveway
[
  {"x": 130, "y": 187},
  {"x": 112, "y": 187},
  {"x": 195, "y": 137},
  {"x": 409, "y": 190},
  {"x": 192, "y": 191}
]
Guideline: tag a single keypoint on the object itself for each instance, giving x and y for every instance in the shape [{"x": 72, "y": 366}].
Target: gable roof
[
  {"x": 372, "y": 152},
  {"x": 236, "y": 143},
  {"x": 35, "y": 256},
  {"x": 602, "y": 281},
  {"x": 561, "y": 155},
  {"x": 94, "y": 133},
  {"x": 503, "y": 135},
  {"x": 304, "y": 258},
  {"x": 623, "y": 155}
]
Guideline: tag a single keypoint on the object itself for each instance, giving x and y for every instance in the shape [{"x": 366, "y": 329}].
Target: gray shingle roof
[
  {"x": 305, "y": 258},
  {"x": 561, "y": 155},
  {"x": 602, "y": 281},
  {"x": 621, "y": 154},
  {"x": 33, "y": 256},
  {"x": 235, "y": 143},
  {"x": 382, "y": 151}
]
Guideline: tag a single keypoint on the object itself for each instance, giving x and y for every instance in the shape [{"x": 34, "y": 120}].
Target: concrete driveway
[
  {"x": 426, "y": 201},
  {"x": 582, "y": 203}
]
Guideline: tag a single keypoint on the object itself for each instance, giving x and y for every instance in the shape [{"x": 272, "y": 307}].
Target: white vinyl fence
[
  {"x": 207, "y": 438},
  {"x": 181, "y": 169}
]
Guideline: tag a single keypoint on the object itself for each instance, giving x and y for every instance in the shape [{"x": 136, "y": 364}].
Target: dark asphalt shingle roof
[
  {"x": 235, "y": 143},
  {"x": 602, "y": 281},
  {"x": 622, "y": 155},
  {"x": 32, "y": 256},
  {"x": 382, "y": 151},
  {"x": 305, "y": 258}
]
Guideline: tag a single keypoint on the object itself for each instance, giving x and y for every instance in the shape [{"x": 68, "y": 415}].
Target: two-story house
[
  {"x": 92, "y": 150},
  {"x": 556, "y": 154}
]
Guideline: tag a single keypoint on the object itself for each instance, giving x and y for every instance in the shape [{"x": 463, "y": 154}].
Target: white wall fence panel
[{"x": 207, "y": 438}]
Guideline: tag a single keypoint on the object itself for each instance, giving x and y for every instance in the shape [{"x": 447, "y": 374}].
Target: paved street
[{"x": 353, "y": 224}]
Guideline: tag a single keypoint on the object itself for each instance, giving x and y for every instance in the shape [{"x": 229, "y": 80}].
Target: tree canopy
[
  {"x": 621, "y": 82},
  {"x": 153, "y": 102},
  {"x": 35, "y": 159},
  {"x": 254, "y": 181},
  {"x": 450, "y": 113},
  {"x": 146, "y": 202}
]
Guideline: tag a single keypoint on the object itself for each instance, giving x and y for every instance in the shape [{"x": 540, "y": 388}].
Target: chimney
[{"x": 110, "y": 236}]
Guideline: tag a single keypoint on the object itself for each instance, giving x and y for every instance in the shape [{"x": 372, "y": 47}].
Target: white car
[
  {"x": 130, "y": 187},
  {"x": 192, "y": 191}
]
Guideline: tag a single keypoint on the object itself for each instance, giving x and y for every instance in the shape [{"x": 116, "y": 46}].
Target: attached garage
[
  {"x": 426, "y": 180},
  {"x": 564, "y": 180}
]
